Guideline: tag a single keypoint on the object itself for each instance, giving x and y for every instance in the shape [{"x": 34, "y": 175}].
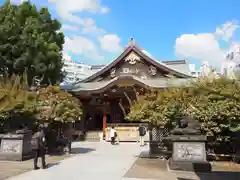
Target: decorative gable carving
[
  {"x": 152, "y": 70},
  {"x": 132, "y": 58},
  {"x": 135, "y": 57},
  {"x": 133, "y": 65},
  {"x": 113, "y": 73}
]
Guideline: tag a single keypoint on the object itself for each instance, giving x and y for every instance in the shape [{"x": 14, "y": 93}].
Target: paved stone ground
[
  {"x": 121, "y": 162},
  {"x": 13, "y": 168},
  {"x": 95, "y": 161},
  {"x": 150, "y": 168},
  {"x": 158, "y": 169}
]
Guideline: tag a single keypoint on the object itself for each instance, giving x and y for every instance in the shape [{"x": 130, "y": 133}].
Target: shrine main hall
[{"x": 105, "y": 95}]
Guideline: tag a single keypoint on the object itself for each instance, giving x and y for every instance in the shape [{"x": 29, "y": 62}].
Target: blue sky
[{"x": 97, "y": 30}]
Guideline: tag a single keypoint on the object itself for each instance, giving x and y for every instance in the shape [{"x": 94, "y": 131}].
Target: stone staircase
[{"x": 92, "y": 136}]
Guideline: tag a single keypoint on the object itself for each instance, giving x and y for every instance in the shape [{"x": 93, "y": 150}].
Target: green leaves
[
  {"x": 57, "y": 105},
  {"x": 161, "y": 109},
  {"x": 49, "y": 104},
  {"x": 15, "y": 97},
  {"x": 213, "y": 102},
  {"x": 30, "y": 39}
]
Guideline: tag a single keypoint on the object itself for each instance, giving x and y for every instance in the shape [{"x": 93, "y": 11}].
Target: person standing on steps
[
  {"x": 38, "y": 147},
  {"x": 142, "y": 133}
]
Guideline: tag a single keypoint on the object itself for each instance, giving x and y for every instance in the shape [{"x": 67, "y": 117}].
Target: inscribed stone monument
[
  {"x": 189, "y": 151},
  {"x": 16, "y": 146}
]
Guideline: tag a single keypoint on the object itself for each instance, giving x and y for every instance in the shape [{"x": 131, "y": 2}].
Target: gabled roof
[{"x": 134, "y": 48}]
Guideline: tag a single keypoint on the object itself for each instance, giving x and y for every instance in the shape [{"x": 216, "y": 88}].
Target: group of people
[
  {"x": 115, "y": 138},
  {"x": 40, "y": 144}
]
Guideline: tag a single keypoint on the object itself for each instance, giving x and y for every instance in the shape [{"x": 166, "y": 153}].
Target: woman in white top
[{"x": 113, "y": 135}]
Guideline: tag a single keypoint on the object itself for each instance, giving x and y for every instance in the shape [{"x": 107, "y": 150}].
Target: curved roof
[
  {"x": 147, "y": 83},
  {"x": 145, "y": 56}
]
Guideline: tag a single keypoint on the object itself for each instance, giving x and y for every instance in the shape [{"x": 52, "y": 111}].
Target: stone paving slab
[
  {"x": 144, "y": 168},
  {"x": 97, "y": 161},
  {"x": 13, "y": 168}
]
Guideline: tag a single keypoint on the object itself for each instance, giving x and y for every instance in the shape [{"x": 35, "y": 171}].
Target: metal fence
[{"x": 158, "y": 144}]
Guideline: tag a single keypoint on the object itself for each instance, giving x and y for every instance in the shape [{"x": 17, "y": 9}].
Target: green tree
[
  {"x": 215, "y": 103},
  {"x": 161, "y": 108},
  {"x": 30, "y": 40},
  {"x": 15, "y": 99},
  {"x": 57, "y": 105}
]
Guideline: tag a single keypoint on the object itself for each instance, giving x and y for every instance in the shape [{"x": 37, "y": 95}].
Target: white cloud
[
  {"x": 205, "y": 46},
  {"x": 70, "y": 12},
  {"x": 74, "y": 6},
  {"x": 68, "y": 27},
  {"x": 82, "y": 46},
  {"x": 110, "y": 43},
  {"x": 67, "y": 10},
  {"x": 227, "y": 30},
  {"x": 91, "y": 28},
  {"x": 17, "y": 1},
  {"x": 66, "y": 57}
]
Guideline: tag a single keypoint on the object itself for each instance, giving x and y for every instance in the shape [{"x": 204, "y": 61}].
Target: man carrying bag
[{"x": 38, "y": 147}]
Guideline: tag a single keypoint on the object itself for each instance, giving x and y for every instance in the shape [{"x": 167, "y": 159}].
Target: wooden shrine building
[{"x": 105, "y": 94}]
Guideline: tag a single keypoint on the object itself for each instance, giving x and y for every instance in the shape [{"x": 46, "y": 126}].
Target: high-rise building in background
[
  {"x": 77, "y": 71},
  {"x": 205, "y": 70},
  {"x": 231, "y": 64}
]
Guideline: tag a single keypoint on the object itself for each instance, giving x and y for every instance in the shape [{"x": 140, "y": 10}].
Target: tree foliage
[
  {"x": 213, "y": 102},
  {"x": 161, "y": 108},
  {"x": 48, "y": 104},
  {"x": 15, "y": 97},
  {"x": 57, "y": 105},
  {"x": 30, "y": 40}
]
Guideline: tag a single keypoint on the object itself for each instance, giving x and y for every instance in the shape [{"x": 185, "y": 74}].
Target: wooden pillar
[{"x": 104, "y": 122}]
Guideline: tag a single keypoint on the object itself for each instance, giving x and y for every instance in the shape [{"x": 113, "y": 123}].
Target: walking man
[
  {"x": 38, "y": 147},
  {"x": 142, "y": 133},
  {"x": 69, "y": 139}
]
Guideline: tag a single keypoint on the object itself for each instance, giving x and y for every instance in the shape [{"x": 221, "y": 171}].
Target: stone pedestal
[
  {"x": 16, "y": 147},
  {"x": 189, "y": 154}
]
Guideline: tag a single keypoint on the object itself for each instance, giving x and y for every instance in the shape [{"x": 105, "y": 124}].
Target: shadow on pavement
[
  {"x": 49, "y": 165},
  {"x": 219, "y": 175},
  {"x": 209, "y": 176},
  {"x": 80, "y": 150}
]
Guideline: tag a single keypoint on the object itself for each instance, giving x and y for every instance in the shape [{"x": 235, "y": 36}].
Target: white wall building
[
  {"x": 77, "y": 71},
  {"x": 205, "y": 70}
]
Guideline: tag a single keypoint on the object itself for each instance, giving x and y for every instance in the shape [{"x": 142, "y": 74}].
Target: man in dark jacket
[
  {"x": 38, "y": 147},
  {"x": 69, "y": 136},
  {"x": 142, "y": 133}
]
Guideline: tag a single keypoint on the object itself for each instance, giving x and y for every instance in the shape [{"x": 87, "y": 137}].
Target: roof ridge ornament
[{"x": 131, "y": 42}]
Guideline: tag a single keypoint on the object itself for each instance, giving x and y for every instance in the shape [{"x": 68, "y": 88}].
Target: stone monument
[
  {"x": 16, "y": 146},
  {"x": 189, "y": 150}
]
